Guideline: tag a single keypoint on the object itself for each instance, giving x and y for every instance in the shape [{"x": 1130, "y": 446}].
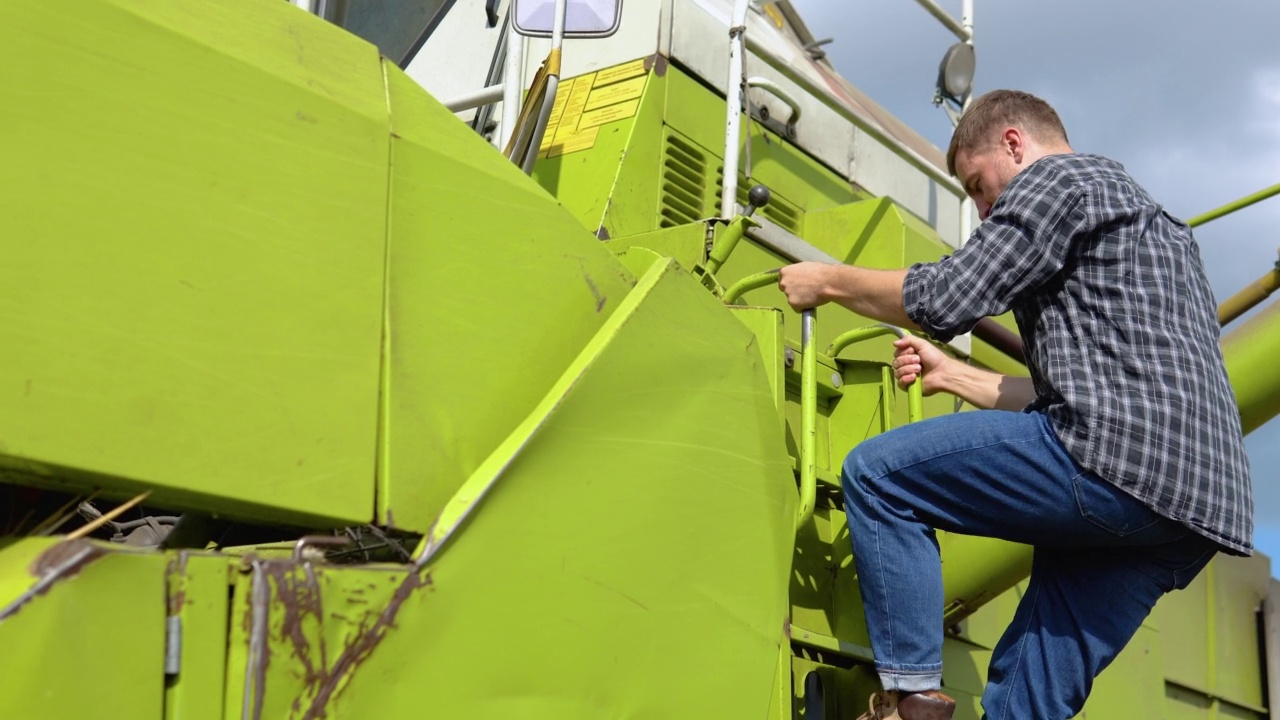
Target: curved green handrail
[
  {"x": 749, "y": 283},
  {"x": 915, "y": 394},
  {"x": 1235, "y": 205}
]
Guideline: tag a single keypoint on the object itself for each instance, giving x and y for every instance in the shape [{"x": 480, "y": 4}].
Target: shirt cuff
[{"x": 917, "y": 289}]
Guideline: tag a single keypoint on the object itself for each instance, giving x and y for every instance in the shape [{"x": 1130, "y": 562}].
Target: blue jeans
[{"x": 1102, "y": 558}]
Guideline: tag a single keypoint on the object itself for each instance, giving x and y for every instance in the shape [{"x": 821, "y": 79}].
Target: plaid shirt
[{"x": 1120, "y": 333}]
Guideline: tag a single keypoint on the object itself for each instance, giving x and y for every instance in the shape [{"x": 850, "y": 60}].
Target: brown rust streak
[
  {"x": 366, "y": 640},
  {"x": 177, "y": 575},
  {"x": 60, "y": 562},
  {"x": 299, "y": 598}
]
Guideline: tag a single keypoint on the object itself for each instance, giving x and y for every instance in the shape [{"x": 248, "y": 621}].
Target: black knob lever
[{"x": 756, "y": 199}]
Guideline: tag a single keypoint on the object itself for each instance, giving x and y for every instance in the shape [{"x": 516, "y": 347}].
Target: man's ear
[{"x": 1014, "y": 143}]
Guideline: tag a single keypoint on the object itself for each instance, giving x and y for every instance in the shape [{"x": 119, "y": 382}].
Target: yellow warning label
[
  {"x": 614, "y": 94},
  {"x": 564, "y": 122},
  {"x": 581, "y": 140},
  {"x": 577, "y": 103},
  {"x": 557, "y": 110},
  {"x": 609, "y": 114},
  {"x": 621, "y": 72},
  {"x": 774, "y": 14},
  {"x": 588, "y": 101}
]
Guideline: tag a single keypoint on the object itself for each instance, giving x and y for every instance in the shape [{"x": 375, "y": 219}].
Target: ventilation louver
[{"x": 684, "y": 183}]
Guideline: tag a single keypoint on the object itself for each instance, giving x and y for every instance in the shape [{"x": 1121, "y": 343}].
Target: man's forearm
[
  {"x": 870, "y": 293},
  {"x": 987, "y": 390}
]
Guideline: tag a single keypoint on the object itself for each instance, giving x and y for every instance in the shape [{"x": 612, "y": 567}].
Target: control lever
[{"x": 758, "y": 197}]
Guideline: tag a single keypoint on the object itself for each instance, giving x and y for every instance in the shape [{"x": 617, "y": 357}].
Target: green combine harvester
[{"x": 410, "y": 360}]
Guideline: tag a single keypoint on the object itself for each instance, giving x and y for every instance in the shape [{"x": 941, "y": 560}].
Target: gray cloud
[{"x": 1185, "y": 94}]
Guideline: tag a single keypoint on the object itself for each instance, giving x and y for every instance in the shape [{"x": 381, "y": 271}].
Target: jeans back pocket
[{"x": 1110, "y": 508}]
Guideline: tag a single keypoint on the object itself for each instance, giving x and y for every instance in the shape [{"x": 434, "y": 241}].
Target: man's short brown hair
[{"x": 999, "y": 109}]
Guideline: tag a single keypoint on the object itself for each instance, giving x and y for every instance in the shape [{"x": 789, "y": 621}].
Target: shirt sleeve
[{"x": 1025, "y": 241}]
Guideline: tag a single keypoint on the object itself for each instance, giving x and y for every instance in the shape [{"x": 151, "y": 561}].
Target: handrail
[
  {"x": 1231, "y": 207},
  {"x": 809, "y": 385},
  {"x": 774, "y": 89},
  {"x": 477, "y": 98},
  {"x": 915, "y": 393},
  {"x": 962, "y": 30},
  {"x": 526, "y": 139},
  {"x": 1250, "y": 296},
  {"x": 749, "y": 283},
  {"x": 733, "y": 105},
  {"x": 808, "y": 418}
]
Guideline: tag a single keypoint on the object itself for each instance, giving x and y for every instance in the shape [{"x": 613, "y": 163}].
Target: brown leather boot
[{"x": 893, "y": 705}]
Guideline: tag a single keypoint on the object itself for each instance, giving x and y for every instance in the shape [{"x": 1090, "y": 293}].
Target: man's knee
[{"x": 863, "y": 467}]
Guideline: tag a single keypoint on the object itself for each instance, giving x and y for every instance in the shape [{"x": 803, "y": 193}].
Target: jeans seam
[
  {"x": 1177, "y": 574},
  {"x": 1022, "y": 648},
  {"x": 955, "y": 452},
  {"x": 884, "y": 584},
  {"x": 933, "y": 669}
]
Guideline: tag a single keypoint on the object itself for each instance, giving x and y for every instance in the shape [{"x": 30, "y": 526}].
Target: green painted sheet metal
[
  {"x": 94, "y": 637},
  {"x": 795, "y": 178},
  {"x": 612, "y": 187},
  {"x": 1250, "y": 353},
  {"x": 1219, "y": 663},
  {"x": 686, "y": 244},
  {"x": 661, "y": 168},
  {"x": 194, "y": 226},
  {"x": 198, "y": 611},
  {"x": 299, "y": 631},
  {"x": 631, "y": 557},
  {"x": 494, "y": 289}
]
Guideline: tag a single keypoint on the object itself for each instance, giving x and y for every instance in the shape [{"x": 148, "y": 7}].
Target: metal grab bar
[
  {"x": 531, "y": 126},
  {"x": 1231, "y": 207},
  {"x": 915, "y": 393},
  {"x": 808, "y": 418},
  {"x": 749, "y": 283},
  {"x": 963, "y": 29},
  {"x": 769, "y": 86},
  {"x": 470, "y": 101},
  {"x": 733, "y": 106},
  {"x": 809, "y": 385},
  {"x": 1250, "y": 296}
]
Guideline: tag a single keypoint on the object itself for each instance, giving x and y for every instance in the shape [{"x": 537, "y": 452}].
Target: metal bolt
[
  {"x": 789, "y": 357},
  {"x": 836, "y": 380}
]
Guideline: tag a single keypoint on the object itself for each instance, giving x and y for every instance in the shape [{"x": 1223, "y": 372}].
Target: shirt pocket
[{"x": 1108, "y": 507}]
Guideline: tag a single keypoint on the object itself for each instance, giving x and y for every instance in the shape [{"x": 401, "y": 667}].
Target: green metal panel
[
  {"x": 1221, "y": 662},
  {"x": 194, "y": 203},
  {"x": 612, "y": 188},
  {"x": 1250, "y": 352},
  {"x": 698, "y": 113},
  {"x": 630, "y": 558},
  {"x": 297, "y": 632},
  {"x": 766, "y": 325},
  {"x": 686, "y": 244},
  {"x": 494, "y": 288},
  {"x": 199, "y": 609},
  {"x": 92, "y": 640}
]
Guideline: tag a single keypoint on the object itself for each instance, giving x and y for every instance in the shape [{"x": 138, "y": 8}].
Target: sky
[{"x": 1186, "y": 95}]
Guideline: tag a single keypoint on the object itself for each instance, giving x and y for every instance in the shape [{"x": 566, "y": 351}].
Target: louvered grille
[{"x": 684, "y": 183}]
